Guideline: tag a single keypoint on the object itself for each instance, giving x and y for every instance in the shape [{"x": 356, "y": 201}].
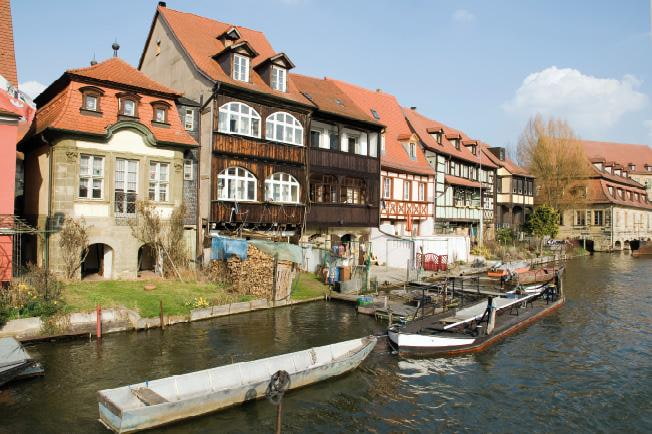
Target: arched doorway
[
  {"x": 626, "y": 245},
  {"x": 98, "y": 263},
  {"x": 617, "y": 245},
  {"x": 146, "y": 259}
]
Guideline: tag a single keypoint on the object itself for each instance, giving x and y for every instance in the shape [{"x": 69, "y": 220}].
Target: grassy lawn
[
  {"x": 308, "y": 286},
  {"x": 178, "y": 298}
]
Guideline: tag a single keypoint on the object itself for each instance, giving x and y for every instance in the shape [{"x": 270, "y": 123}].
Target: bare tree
[
  {"x": 73, "y": 242},
  {"x": 553, "y": 154}
]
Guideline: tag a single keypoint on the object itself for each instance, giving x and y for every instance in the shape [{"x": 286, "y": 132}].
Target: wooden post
[
  {"x": 98, "y": 321},
  {"x": 274, "y": 279},
  {"x": 160, "y": 304},
  {"x": 278, "y": 417}
]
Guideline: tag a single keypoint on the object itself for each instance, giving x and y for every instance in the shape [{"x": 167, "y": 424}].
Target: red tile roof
[
  {"x": 508, "y": 163},
  {"x": 421, "y": 124},
  {"x": 117, "y": 71},
  {"x": 598, "y": 192},
  {"x": 621, "y": 153},
  {"x": 60, "y": 106},
  {"x": 456, "y": 180},
  {"x": 7, "y": 54},
  {"x": 199, "y": 38},
  {"x": 391, "y": 115}
]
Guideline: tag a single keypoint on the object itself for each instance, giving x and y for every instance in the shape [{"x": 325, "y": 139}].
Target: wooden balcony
[
  {"x": 334, "y": 214},
  {"x": 326, "y": 159},
  {"x": 256, "y": 212},
  {"x": 257, "y": 149},
  {"x": 401, "y": 209}
]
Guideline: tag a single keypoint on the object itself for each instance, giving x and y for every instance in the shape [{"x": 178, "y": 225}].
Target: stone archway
[
  {"x": 98, "y": 263},
  {"x": 618, "y": 245},
  {"x": 626, "y": 245},
  {"x": 146, "y": 259}
]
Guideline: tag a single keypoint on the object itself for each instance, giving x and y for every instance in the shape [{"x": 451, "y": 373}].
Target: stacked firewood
[{"x": 254, "y": 276}]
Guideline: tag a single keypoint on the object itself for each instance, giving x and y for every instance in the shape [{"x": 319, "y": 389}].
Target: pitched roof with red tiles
[
  {"x": 329, "y": 98},
  {"x": 7, "y": 54},
  {"x": 421, "y": 125},
  {"x": 597, "y": 191},
  {"x": 507, "y": 163},
  {"x": 199, "y": 37},
  {"x": 621, "y": 153},
  {"x": 391, "y": 115},
  {"x": 60, "y": 104}
]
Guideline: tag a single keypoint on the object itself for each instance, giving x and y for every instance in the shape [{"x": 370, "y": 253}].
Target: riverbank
[{"x": 141, "y": 305}]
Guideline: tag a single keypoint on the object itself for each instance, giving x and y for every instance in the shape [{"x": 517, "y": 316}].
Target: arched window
[
  {"x": 236, "y": 183},
  {"x": 239, "y": 118},
  {"x": 353, "y": 190},
  {"x": 283, "y": 127},
  {"x": 281, "y": 187}
]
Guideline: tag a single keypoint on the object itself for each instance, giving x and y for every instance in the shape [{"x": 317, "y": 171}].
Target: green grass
[
  {"x": 308, "y": 286},
  {"x": 178, "y": 298}
]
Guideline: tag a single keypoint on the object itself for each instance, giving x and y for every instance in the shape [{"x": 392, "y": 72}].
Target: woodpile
[{"x": 255, "y": 275}]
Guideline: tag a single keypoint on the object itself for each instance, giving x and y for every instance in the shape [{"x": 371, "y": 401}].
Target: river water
[{"x": 585, "y": 368}]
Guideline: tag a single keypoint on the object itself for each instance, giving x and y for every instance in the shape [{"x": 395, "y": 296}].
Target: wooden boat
[
  {"x": 15, "y": 362},
  {"x": 529, "y": 277},
  {"x": 158, "y": 402},
  {"x": 507, "y": 268},
  {"x": 644, "y": 249},
  {"x": 475, "y": 327}
]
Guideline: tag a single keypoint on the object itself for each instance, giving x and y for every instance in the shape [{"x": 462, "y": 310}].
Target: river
[{"x": 585, "y": 368}]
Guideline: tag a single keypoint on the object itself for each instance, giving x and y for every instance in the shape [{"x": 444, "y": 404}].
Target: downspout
[{"x": 49, "y": 216}]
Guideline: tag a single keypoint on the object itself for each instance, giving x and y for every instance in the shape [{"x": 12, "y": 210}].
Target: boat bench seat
[{"x": 148, "y": 396}]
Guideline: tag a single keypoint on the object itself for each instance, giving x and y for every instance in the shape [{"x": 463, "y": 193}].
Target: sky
[{"x": 483, "y": 67}]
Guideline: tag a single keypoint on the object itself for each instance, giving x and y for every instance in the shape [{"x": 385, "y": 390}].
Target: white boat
[
  {"x": 158, "y": 402},
  {"x": 15, "y": 362}
]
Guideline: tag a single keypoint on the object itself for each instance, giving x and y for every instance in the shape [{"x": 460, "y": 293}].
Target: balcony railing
[{"x": 403, "y": 208}]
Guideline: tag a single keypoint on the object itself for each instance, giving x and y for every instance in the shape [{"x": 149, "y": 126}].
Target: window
[
  {"x": 598, "y": 219},
  {"x": 189, "y": 119},
  {"x": 375, "y": 114},
  {"x": 91, "y": 96},
  {"x": 334, "y": 141},
  {"x": 451, "y": 168},
  {"x": 323, "y": 189},
  {"x": 126, "y": 186},
  {"x": 353, "y": 191},
  {"x": 283, "y": 127},
  {"x": 91, "y": 177},
  {"x": 407, "y": 190},
  {"x": 240, "y": 67},
  {"x": 188, "y": 170},
  {"x": 422, "y": 191},
  {"x": 352, "y": 144},
  {"x": 413, "y": 151},
  {"x": 279, "y": 76},
  {"x": 158, "y": 181},
  {"x": 387, "y": 188},
  {"x": 236, "y": 183},
  {"x": 160, "y": 115},
  {"x": 127, "y": 107},
  {"x": 456, "y": 143},
  {"x": 282, "y": 187},
  {"x": 239, "y": 118},
  {"x": 580, "y": 218},
  {"x": 90, "y": 102},
  {"x": 315, "y": 138}
]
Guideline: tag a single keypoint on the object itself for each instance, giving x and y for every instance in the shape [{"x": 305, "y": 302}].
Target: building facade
[{"x": 104, "y": 137}]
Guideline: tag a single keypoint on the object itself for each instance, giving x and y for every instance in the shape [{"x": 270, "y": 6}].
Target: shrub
[
  {"x": 505, "y": 235},
  {"x": 36, "y": 293}
]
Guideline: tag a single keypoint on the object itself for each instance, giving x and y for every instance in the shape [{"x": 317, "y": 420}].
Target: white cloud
[
  {"x": 590, "y": 104},
  {"x": 463, "y": 16},
  {"x": 32, "y": 88}
]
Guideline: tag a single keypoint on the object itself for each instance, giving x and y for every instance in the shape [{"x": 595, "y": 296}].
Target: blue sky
[{"x": 480, "y": 66}]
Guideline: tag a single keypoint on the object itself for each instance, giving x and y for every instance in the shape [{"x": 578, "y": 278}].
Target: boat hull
[
  {"x": 424, "y": 345},
  {"x": 214, "y": 400}
]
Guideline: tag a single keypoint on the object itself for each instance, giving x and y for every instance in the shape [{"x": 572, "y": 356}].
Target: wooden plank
[{"x": 148, "y": 396}]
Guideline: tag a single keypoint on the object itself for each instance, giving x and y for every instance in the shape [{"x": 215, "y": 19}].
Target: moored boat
[
  {"x": 158, "y": 402},
  {"x": 477, "y": 326},
  {"x": 533, "y": 276},
  {"x": 15, "y": 362},
  {"x": 507, "y": 268},
  {"x": 644, "y": 249}
]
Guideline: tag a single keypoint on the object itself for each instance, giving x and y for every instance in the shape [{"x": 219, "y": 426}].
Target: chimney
[
  {"x": 7, "y": 55},
  {"x": 162, "y": 4},
  {"x": 413, "y": 107}
]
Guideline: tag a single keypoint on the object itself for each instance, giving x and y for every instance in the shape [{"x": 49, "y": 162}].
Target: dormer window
[
  {"x": 160, "y": 112},
  {"x": 413, "y": 151},
  {"x": 456, "y": 143},
  {"x": 240, "y": 67},
  {"x": 91, "y": 98},
  {"x": 632, "y": 167},
  {"x": 438, "y": 138},
  {"x": 473, "y": 150},
  {"x": 279, "y": 78}
]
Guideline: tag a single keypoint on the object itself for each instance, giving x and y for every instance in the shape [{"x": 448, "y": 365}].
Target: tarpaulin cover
[
  {"x": 286, "y": 251},
  {"x": 223, "y": 248}
]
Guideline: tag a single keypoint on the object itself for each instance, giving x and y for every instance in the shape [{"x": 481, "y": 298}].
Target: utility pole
[{"x": 481, "y": 228}]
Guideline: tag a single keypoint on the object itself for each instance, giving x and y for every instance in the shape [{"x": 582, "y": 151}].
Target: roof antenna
[
  {"x": 115, "y": 47},
  {"x": 93, "y": 61}
]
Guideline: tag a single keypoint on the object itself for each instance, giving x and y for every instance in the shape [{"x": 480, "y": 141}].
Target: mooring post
[
  {"x": 98, "y": 321},
  {"x": 161, "y": 314}
]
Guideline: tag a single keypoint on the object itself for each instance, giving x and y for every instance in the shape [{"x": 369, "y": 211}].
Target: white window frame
[
  {"x": 413, "y": 150},
  {"x": 407, "y": 190},
  {"x": 189, "y": 119},
  {"x": 283, "y": 188},
  {"x": 288, "y": 125},
  {"x": 188, "y": 169},
  {"x": 124, "y": 105},
  {"x": 278, "y": 78},
  {"x": 159, "y": 182},
  {"x": 422, "y": 191},
  {"x": 387, "y": 187},
  {"x": 89, "y": 176},
  {"x": 235, "y": 185},
  {"x": 244, "y": 116},
  {"x": 126, "y": 190},
  {"x": 240, "y": 67},
  {"x": 162, "y": 110}
]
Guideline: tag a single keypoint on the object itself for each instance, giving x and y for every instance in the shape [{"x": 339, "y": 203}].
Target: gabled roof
[
  {"x": 7, "y": 54},
  {"x": 199, "y": 39},
  {"x": 508, "y": 164},
  {"x": 391, "y": 115},
  {"x": 422, "y": 125},
  {"x": 329, "y": 98},
  {"x": 621, "y": 153},
  {"x": 60, "y": 104}
]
